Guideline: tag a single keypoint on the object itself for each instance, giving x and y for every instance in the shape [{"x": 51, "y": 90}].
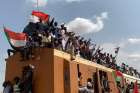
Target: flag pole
[
  {"x": 3, "y": 26},
  {"x": 37, "y": 5}
]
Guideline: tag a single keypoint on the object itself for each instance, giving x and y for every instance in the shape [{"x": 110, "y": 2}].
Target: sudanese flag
[
  {"x": 41, "y": 15},
  {"x": 15, "y": 39}
]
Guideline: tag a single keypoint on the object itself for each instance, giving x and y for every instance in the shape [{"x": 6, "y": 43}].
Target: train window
[
  {"x": 104, "y": 81},
  {"x": 88, "y": 85}
]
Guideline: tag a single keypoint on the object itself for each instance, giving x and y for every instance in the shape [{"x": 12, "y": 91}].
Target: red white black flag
[
  {"x": 41, "y": 15},
  {"x": 16, "y": 40}
]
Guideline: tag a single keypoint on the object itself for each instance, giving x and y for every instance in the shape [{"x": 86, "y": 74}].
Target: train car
[{"x": 55, "y": 72}]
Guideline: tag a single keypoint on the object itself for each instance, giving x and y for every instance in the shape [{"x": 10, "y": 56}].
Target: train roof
[
  {"x": 131, "y": 78},
  {"x": 80, "y": 60}
]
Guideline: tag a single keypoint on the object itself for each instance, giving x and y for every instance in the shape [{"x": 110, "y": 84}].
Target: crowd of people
[
  {"x": 129, "y": 70},
  {"x": 20, "y": 85},
  {"x": 128, "y": 88},
  {"x": 91, "y": 86},
  {"x": 50, "y": 34},
  {"x": 47, "y": 33}
]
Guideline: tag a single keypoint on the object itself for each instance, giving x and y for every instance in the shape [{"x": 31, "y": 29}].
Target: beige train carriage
[
  {"x": 130, "y": 79},
  {"x": 55, "y": 73}
]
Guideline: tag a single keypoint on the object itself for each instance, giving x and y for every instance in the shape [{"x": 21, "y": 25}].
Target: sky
[{"x": 109, "y": 23}]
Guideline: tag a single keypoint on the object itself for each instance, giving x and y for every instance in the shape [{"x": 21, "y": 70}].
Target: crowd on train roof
[{"x": 47, "y": 33}]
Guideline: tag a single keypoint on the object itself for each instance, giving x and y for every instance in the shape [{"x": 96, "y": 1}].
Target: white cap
[
  {"x": 89, "y": 84},
  {"x": 32, "y": 66},
  {"x": 33, "y": 19}
]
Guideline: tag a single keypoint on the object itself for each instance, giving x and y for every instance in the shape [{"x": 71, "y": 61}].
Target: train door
[
  {"x": 103, "y": 82},
  {"x": 87, "y": 78},
  {"x": 96, "y": 88}
]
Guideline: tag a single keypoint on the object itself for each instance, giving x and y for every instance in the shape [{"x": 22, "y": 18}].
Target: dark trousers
[
  {"x": 9, "y": 51},
  {"x": 25, "y": 53}
]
